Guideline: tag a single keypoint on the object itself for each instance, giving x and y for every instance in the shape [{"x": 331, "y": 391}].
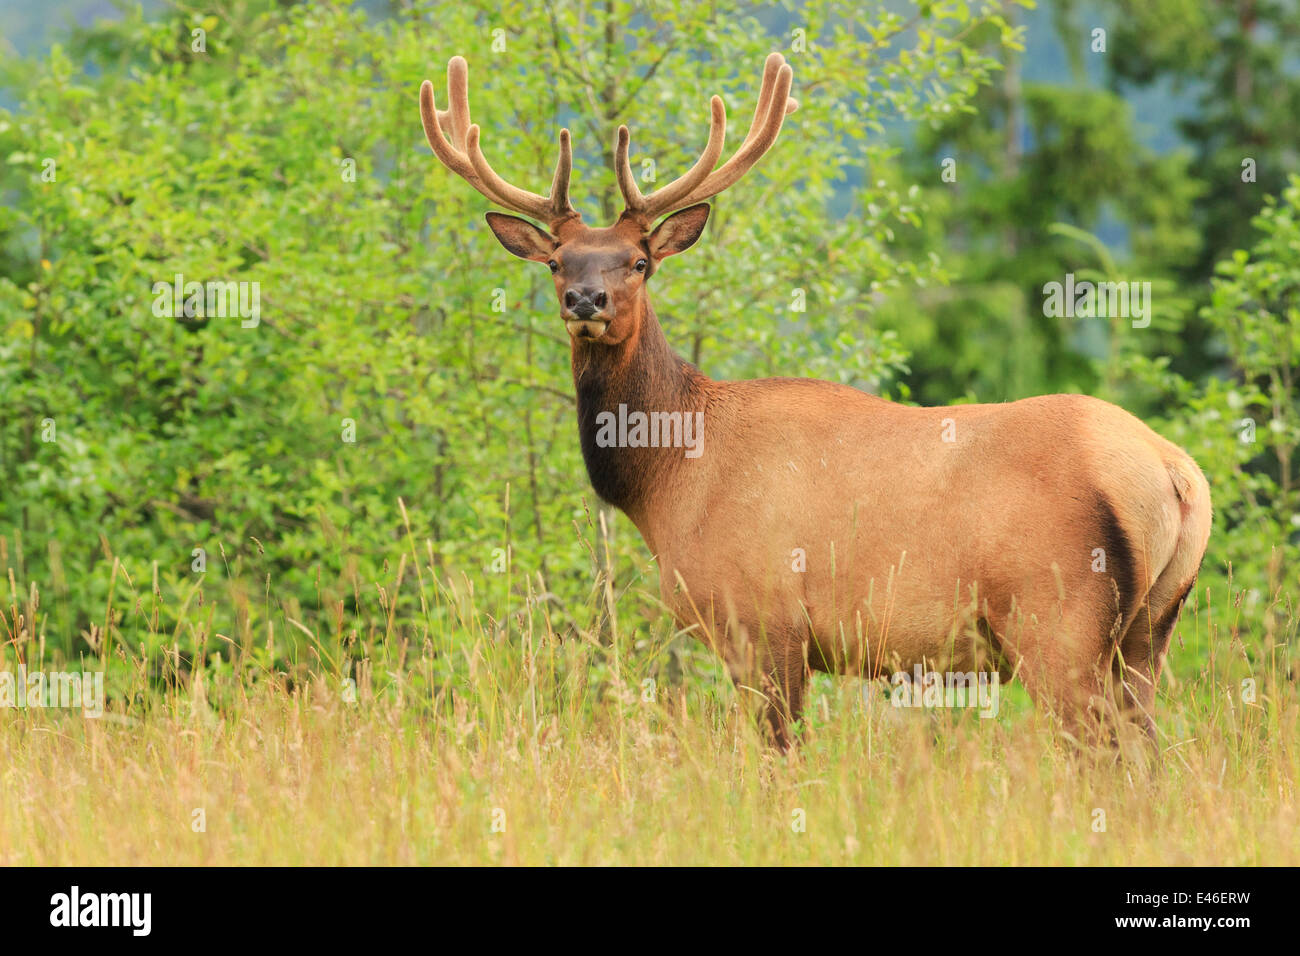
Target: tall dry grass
[{"x": 469, "y": 737}]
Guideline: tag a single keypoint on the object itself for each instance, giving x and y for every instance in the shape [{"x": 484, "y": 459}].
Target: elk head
[{"x": 600, "y": 273}]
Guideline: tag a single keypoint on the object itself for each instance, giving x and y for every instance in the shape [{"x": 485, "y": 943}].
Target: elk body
[{"x": 817, "y": 526}]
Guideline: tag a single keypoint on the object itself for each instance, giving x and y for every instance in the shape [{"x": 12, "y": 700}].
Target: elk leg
[
  {"x": 786, "y": 677},
  {"x": 1142, "y": 653},
  {"x": 775, "y": 668},
  {"x": 1062, "y": 654}
]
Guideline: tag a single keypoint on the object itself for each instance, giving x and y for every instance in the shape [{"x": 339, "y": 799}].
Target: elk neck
[{"x": 643, "y": 374}]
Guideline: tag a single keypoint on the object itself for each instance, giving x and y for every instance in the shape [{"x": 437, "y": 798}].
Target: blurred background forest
[{"x": 948, "y": 160}]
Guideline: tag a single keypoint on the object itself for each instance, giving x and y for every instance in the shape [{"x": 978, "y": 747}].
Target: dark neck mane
[{"x": 644, "y": 374}]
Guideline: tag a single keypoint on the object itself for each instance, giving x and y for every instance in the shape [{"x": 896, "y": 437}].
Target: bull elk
[{"x": 1054, "y": 538}]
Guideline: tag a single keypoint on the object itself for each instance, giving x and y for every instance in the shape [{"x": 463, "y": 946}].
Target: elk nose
[{"x": 584, "y": 303}]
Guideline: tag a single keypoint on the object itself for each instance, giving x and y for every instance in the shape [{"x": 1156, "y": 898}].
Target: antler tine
[
  {"x": 458, "y": 100},
  {"x": 774, "y": 103},
  {"x": 669, "y": 197},
  {"x": 520, "y": 200},
  {"x": 632, "y": 197},
  {"x": 464, "y": 157},
  {"x": 563, "y": 168},
  {"x": 451, "y": 154},
  {"x": 771, "y": 67}
]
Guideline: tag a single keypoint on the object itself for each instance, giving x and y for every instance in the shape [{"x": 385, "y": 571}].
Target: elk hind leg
[
  {"x": 1142, "y": 647},
  {"x": 1142, "y": 651}
]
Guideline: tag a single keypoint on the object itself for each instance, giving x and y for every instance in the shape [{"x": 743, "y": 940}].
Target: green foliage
[
  {"x": 1243, "y": 425},
  {"x": 1238, "y": 60},
  {"x": 129, "y": 439},
  {"x": 1034, "y": 154}
]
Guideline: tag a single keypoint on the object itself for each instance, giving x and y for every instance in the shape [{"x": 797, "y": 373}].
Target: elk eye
[
  {"x": 555, "y": 266},
  {"x": 641, "y": 265}
]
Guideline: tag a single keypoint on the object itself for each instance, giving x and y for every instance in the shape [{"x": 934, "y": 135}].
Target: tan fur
[{"x": 902, "y": 531}]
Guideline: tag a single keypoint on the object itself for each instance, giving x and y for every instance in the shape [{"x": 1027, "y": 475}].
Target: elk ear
[
  {"x": 679, "y": 231},
  {"x": 521, "y": 237}
]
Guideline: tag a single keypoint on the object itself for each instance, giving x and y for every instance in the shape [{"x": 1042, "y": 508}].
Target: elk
[{"x": 1054, "y": 538}]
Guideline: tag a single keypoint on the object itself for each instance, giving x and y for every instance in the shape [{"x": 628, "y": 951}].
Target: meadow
[{"x": 495, "y": 738}]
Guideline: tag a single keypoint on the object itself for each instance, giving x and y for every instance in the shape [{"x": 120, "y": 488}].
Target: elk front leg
[
  {"x": 1061, "y": 651},
  {"x": 770, "y": 668}
]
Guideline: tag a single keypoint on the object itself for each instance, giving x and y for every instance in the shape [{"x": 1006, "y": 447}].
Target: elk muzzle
[{"x": 584, "y": 312}]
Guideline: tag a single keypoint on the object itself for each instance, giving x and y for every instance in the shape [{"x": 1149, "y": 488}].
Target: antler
[
  {"x": 702, "y": 180},
  {"x": 463, "y": 156}
]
